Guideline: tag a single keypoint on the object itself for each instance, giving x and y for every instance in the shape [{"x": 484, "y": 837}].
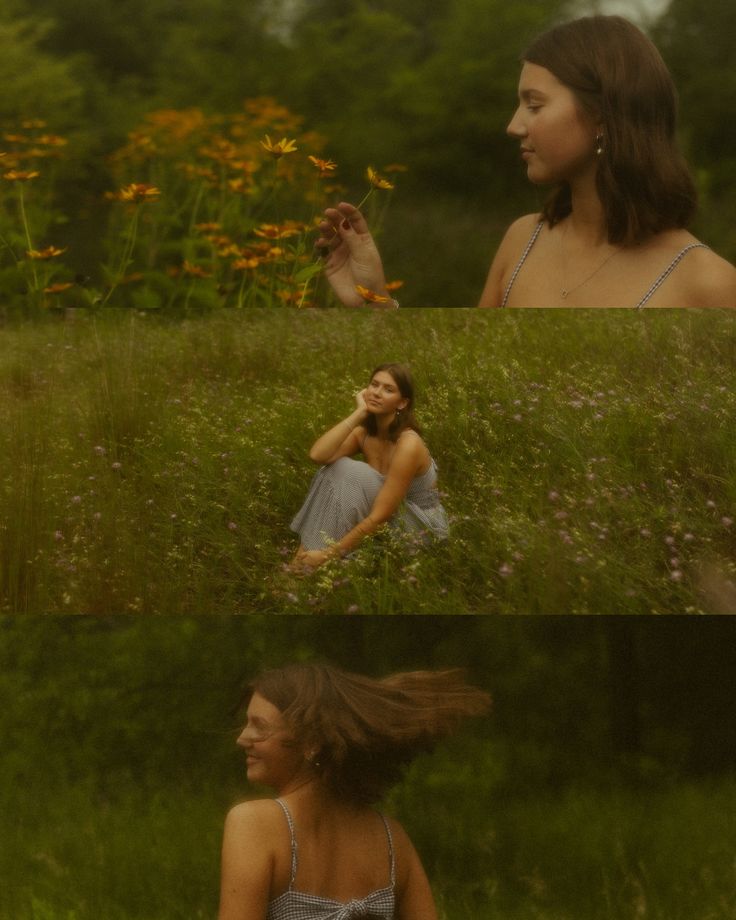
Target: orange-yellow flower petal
[
  {"x": 139, "y": 191},
  {"x": 50, "y": 252},
  {"x": 324, "y": 166},
  {"x": 17, "y": 175},
  {"x": 371, "y": 296},
  {"x": 58, "y": 287},
  {"x": 195, "y": 271},
  {"x": 378, "y": 181}
]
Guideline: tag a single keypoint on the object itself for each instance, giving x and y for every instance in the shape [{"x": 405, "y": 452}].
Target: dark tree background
[{"x": 591, "y": 701}]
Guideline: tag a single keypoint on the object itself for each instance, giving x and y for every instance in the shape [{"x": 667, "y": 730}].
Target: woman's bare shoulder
[
  {"x": 410, "y": 442},
  {"x": 702, "y": 278},
  {"x": 254, "y": 815},
  {"x": 712, "y": 279},
  {"x": 507, "y": 256}
]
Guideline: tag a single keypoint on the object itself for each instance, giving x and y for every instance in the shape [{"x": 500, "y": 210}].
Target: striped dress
[
  {"x": 298, "y": 905},
  {"x": 342, "y": 494}
]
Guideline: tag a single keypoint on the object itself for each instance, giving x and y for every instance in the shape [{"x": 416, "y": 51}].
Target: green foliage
[
  {"x": 695, "y": 40},
  {"x": 119, "y": 763},
  {"x": 36, "y": 84}
]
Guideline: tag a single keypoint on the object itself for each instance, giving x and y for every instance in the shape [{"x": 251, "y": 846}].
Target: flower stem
[{"x": 27, "y": 229}]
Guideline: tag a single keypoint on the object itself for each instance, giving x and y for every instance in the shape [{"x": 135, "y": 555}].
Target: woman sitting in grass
[
  {"x": 350, "y": 499},
  {"x": 597, "y": 122},
  {"x": 330, "y": 744}
]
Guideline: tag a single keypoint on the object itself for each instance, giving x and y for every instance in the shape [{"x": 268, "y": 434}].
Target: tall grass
[
  {"x": 585, "y": 461},
  {"x": 134, "y": 854}
]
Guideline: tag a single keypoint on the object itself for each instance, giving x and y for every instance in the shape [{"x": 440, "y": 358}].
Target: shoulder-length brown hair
[
  {"x": 365, "y": 730},
  {"x": 620, "y": 80},
  {"x": 405, "y": 419}
]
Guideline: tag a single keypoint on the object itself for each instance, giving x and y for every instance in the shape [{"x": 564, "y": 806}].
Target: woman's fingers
[
  {"x": 352, "y": 218},
  {"x": 338, "y": 223}
]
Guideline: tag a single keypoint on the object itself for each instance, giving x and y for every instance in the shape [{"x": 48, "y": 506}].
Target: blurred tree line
[
  {"x": 588, "y": 702},
  {"x": 430, "y": 85}
]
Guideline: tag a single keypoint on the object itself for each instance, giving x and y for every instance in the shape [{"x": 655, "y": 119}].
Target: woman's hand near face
[
  {"x": 353, "y": 257},
  {"x": 360, "y": 403}
]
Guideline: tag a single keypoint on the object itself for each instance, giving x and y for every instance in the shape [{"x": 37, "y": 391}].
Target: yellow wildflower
[
  {"x": 279, "y": 149},
  {"x": 50, "y": 252},
  {"x": 58, "y": 287},
  {"x": 371, "y": 296},
  {"x": 273, "y": 232},
  {"x": 378, "y": 181},
  {"x": 52, "y": 140},
  {"x": 139, "y": 191},
  {"x": 196, "y": 271},
  {"x": 394, "y": 285},
  {"x": 17, "y": 175},
  {"x": 324, "y": 166},
  {"x": 240, "y": 265}
]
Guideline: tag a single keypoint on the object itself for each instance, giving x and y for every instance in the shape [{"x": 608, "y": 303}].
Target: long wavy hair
[
  {"x": 366, "y": 730},
  {"x": 405, "y": 419},
  {"x": 620, "y": 80}
]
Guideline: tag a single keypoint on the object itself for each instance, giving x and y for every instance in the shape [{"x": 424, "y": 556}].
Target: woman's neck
[
  {"x": 586, "y": 223},
  {"x": 383, "y": 423}
]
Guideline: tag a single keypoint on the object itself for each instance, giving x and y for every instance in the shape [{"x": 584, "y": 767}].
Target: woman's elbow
[{"x": 318, "y": 457}]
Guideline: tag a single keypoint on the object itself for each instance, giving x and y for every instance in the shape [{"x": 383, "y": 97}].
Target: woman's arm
[
  {"x": 246, "y": 866},
  {"x": 409, "y": 456},
  {"x": 414, "y": 900},
  {"x": 342, "y": 439},
  {"x": 352, "y": 256}
]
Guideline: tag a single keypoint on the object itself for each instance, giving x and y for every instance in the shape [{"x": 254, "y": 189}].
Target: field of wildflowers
[
  {"x": 209, "y": 211},
  {"x": 585, "y": 459}
]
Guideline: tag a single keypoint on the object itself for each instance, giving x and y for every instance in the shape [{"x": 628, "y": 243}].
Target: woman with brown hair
[
  {"x": 397, "y": 482},
  {"x": 597, "y": 122},
  {"x": 331, "y": 743}
]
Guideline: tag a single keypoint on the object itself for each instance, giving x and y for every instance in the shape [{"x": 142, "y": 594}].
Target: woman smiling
[
  {"x": 330, "y": 743},
  {"x": 397, "y": 482}
]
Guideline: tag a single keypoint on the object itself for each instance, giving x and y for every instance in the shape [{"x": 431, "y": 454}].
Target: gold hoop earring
[{"x": 599, "y": 144}]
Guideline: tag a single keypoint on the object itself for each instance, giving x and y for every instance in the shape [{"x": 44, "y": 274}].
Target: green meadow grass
[
  {"x": 585, "y": 459},
  {"x": 134, "y": 854}
]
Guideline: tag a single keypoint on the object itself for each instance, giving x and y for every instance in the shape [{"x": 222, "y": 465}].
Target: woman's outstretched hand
[
  {"x": 351, "y": 255},
  {"x": 307, "y": 561}
]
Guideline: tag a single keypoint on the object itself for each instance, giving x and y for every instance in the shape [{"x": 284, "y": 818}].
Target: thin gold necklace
[{"x": 565, "y": 291}]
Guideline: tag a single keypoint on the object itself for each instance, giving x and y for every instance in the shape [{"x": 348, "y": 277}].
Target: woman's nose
[
  {"x": 243, "y": 739},
  {"x": 515, "y": 127}
]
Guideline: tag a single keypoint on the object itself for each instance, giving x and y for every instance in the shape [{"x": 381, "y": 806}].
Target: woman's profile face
[
  {"x": 273, "y": 758},
  {"x": 383, "y": 395},
  {"x": 557, "y": 140}
]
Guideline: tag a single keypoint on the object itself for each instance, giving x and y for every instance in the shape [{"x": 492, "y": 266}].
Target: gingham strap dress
[
  {"x": 298, "y": 905},
  {"x": 645, "y": 299},
  {"x": 342, "y": 494}
]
